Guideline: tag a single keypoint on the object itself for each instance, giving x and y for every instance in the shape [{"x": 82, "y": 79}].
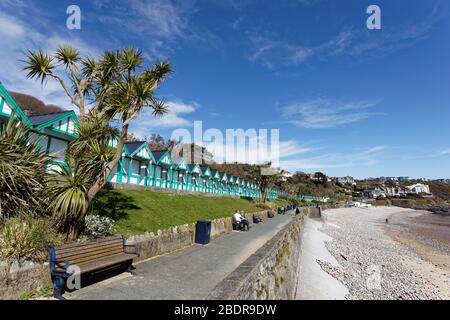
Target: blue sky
[{"x": 347, "y": 100}]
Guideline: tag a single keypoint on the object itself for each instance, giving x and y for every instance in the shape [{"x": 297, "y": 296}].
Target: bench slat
[
  {"x": 88, "y": 251},
  {"x": 85, "y": 246},
  {"x": 80, "y": 244},
  {"x": 101, "y": 263},
  {"x": 96, "y": 256}
]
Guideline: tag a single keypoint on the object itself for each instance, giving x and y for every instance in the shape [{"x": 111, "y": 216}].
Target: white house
[
  {"x": 418, "y": 188},
  {"x": 374, "y": 193},
  {"x": 347, "y": 179},
  {"x": 285, "y": 175},
  {"x": 395, "y": 191}
]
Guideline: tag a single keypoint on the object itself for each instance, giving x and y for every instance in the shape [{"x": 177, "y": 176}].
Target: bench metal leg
[
  {"x": 130, "y": 268},
  {"x": 58, "y": 288}
]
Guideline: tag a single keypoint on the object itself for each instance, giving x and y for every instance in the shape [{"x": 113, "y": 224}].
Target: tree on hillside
[
  {"x": 132, "y": 138},
  {"x": 265, "y": 178},
  {"x": 157, "y": 142},
  {"x": 321, "y": 178},
  {"x": 192, "y": 153},
  {"x": 116, "y": 86}
]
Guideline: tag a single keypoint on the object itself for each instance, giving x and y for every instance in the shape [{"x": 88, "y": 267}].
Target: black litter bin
[{"x": 203, "y": 231}]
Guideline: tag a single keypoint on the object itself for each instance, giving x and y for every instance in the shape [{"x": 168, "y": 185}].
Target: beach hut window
[
  {"x": 135, "y": 168},
  {"x": 58, "y": 149}
]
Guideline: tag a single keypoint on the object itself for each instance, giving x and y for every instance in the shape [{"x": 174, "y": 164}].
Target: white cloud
[
  {"x": 444, "y": 152},
  {"x": 165, "y": 18},
  {"x": 368, "y": 157},
  {"x": 11, "y": 28},
  {"x": 163, "y": 23},
  {"x": 146, "y": 123},
  {"x": 291, "y": 148},
  {"x": 322, "y": 113},
  {"x": 19, "y": 36},
  {"x": 274, "y": 52}
]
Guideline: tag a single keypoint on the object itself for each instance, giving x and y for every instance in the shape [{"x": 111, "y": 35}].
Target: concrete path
[
  {"x": 190, "y": 273},
  {"x": 314, "y": 283}
]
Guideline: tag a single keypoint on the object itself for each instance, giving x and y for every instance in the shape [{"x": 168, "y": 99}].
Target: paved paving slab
[{"x": 189, "y": 273}]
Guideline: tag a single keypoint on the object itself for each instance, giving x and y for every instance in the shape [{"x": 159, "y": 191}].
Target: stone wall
[
  {"x": 15, "y": 281},
  {"x": 272, "y": 271}
]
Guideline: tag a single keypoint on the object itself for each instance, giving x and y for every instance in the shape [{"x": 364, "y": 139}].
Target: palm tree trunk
[{"x": 102, "y": 180}]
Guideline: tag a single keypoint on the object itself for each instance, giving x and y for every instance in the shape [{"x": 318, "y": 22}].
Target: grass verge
[{"x": 140, "y": 211}]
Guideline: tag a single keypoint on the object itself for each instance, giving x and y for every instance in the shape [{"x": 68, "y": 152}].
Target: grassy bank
[{"x": 137, "y": 211}]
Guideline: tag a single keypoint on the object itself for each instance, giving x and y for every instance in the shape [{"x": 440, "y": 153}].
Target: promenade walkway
[{"x": 189, "y": 273}]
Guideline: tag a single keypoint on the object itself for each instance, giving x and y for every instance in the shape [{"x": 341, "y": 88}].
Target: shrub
[
  {"x": 265, "y": 206},
  {"x": 22, "y": 171},
  {"x": 97, "y": 227},
  {"x": 25, "y": 237}
]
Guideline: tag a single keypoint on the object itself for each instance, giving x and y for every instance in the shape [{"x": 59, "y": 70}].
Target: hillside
[
  {"x": 440, "y": 190},
  {"x": 33, "y": 106}
]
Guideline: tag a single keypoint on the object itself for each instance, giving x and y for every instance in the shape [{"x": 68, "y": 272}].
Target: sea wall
[{"x": 272, "y": 271}]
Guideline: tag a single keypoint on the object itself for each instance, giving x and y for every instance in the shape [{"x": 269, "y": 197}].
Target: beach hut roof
[
  {"x": 163, "y": 156},
  {"x": 134, "y": 146},
  {"x": 195, "y": 168},
  {"x": 206, "y": 170},
  {"x": 182, "y": 165},
  {"x": 139, "y": 149},
  {"x": 7, "y": 100},
  {"x": 47, "y": 118}
]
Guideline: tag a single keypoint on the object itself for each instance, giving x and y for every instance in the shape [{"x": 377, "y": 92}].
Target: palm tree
[
  {"x": 117, "y": 86},
  {"x": 69, "y": 202},
  {"x": 22, "y": 171}
]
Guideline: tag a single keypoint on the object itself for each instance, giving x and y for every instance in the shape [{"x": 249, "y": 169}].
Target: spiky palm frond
[
  {"x": 69, "y": 195},
  {"x": 93, "y": 145},
  {"x": 68, "y": 56},
  {"x": 159, "y": 72},
  {"x": 39, "y": 65},
  {"x": 89, "y": 68},
  {"x": 131, "y": 58},
  {"x": 160, "y": 108},
  {"x": 22, "y": 171},
  {"x": 109, "y": 63}
]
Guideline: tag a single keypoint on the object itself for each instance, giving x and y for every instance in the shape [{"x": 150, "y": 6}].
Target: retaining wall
[{"x": 17, "y": 280}]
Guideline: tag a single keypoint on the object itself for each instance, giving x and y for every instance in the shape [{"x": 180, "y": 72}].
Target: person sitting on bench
[
  {"x": 257, "y": 218},
  {"x": 240, "y": 220}
]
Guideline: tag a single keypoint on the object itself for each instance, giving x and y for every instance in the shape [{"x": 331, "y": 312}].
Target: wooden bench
[{"x": 89, "y": 257}]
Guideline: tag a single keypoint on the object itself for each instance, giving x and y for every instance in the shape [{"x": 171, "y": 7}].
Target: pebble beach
[{"x": 388, "y": 253}]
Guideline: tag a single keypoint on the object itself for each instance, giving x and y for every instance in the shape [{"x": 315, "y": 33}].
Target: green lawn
[{"x": 139, "y": 211}]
